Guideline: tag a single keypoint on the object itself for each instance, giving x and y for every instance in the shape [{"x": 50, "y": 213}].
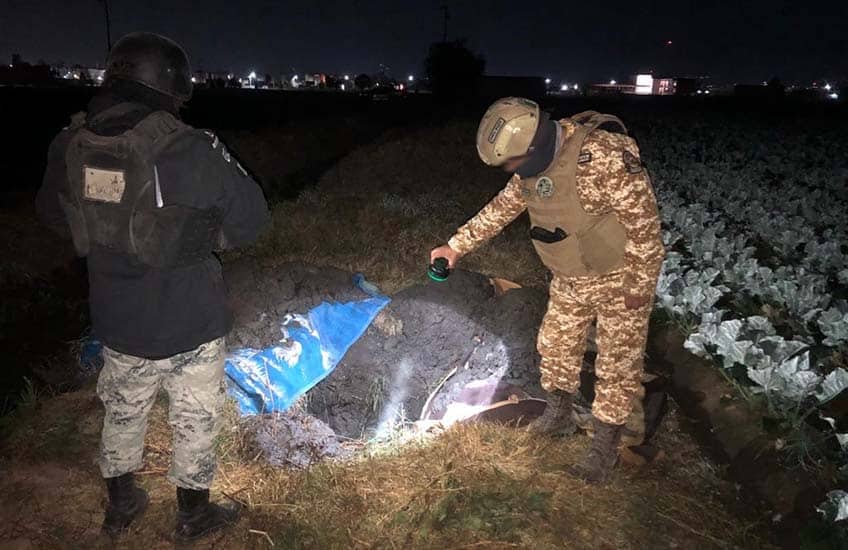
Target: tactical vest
[
  {"x": 115, "y": 199},
  {"x": 569, "y": 241}
]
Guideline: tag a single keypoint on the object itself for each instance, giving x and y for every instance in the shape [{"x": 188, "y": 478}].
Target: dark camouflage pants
[
  {"x": 621, "y": 337},
  {"x": 194, "y": 381}
]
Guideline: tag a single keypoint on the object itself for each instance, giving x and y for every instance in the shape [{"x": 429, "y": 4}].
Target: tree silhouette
[
  {"x": 363, "y": 82},
  {"x": 453, "y": 70}
]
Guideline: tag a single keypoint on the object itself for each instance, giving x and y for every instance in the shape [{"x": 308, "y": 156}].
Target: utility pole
[
  {"x": 446, "y": 17},
  {"x": 108, "y": 26}
]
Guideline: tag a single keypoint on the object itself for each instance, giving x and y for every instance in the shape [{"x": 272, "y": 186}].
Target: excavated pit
[{"x": 388, "y": 374}]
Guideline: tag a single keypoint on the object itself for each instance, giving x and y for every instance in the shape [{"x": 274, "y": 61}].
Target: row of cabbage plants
[{"x": 755, "y": 274}]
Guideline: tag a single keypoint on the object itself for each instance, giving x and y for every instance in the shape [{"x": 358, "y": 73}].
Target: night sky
[{"x": 739, "y": 41}]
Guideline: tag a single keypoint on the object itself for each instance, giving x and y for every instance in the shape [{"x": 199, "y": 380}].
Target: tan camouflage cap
[{"x": 507, "y": 129}]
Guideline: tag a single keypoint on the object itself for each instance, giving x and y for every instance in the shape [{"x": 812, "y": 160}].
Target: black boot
[
  {"x": 558, "y": 417},
  {"x": 126, "y": 502},
  {"x": 197, "y": 517},
  {"x": 599, "y": 462}
]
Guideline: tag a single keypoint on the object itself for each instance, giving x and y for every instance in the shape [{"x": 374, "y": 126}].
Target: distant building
[
  {"x": 647, "y": 84},
  {"x": 23, "y": 73},
  {"x": 611, "y": 89},
  {"x": 664, "y": 86}
]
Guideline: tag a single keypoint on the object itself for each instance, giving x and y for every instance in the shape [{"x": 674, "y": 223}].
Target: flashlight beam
[{"x": 425, "y": 410}]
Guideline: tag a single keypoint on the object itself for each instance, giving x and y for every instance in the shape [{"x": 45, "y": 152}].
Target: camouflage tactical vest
[
  {"x": 115, "y": 199},
  {"x": 585, "y": 245}
]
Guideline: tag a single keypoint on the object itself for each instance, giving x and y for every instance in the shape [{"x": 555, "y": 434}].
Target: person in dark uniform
[{"x": 148, "y": 200}]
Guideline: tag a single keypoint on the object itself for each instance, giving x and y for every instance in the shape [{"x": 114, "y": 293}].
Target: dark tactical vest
[
  {"x": 585, "y": 245},
  {"x": 116, "y": 200}
]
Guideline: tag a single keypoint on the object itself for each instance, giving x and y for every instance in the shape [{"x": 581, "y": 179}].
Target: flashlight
[{"x": 438, "y": 270}]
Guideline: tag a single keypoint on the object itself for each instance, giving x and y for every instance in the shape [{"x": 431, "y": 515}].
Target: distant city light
[
  {"x": 347, "y": 77},
  {"x": 193, "y": 80},
  {"x": 668, "y": 42},
  {"x": 707, "y": 92},
  {"x": 613, "y": 82},
  {"x": 563, "y": 88},
  {"x": 700, "y": 92},
  {"x": 576, "y": 87},
  {"x": 343, "y": 87},
  {"x": 833, "y": 96},
  {"x": 410, "y": 78},
  {"x": 828, "y": 87},
  {"x": 547, "y": 81},
  {"x": 252, "y": 75}
]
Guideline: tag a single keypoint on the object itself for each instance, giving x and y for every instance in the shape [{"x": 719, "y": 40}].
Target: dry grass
[
  {"x": 382, "y": 209},
  {"x": 478, "y": 486},
  {"x": 27, "y": 248}
]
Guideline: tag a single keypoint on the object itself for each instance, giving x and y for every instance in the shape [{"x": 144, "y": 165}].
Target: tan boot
[
  {"x": 557, "y": 420},
  {"x": 600, "y": 460}
]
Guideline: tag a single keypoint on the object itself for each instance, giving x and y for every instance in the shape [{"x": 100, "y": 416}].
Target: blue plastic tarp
[{"x": 271, "y": 379}]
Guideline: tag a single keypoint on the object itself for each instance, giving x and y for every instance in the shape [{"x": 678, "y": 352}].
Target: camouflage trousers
[
  {"x": 621, "y": 337},
  {"x": 128, "y": 386}
]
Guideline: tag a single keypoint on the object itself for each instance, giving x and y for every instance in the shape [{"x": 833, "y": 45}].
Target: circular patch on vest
[{"x": 544, "y": 187}]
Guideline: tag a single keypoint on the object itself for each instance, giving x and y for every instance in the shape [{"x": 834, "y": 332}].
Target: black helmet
[{"x": 153, "y": 61}]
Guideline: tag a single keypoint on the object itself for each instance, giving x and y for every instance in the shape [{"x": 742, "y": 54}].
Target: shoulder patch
[
  {"x": 631, "y": 162},
  {"x": 584, "y": 157},
  {"x": 544, "y": 187}
]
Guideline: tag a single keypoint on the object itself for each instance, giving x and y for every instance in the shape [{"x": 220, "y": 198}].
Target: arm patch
[{"x": 631, "y": 162}]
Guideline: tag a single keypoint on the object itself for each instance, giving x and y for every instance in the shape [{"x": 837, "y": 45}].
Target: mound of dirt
[{"x": 425, "y": 333}]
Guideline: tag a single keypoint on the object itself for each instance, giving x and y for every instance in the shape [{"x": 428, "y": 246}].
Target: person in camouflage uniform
[
  {"x": 148, "y": 200},
  {"x": 194, "y": 383},
  {"x": 595, "y": 225}
]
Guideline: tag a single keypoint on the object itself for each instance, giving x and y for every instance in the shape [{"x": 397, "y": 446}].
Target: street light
[
  {"x": 410, "y": 78},
  {"x": 613, "y": 82},
  {"x": 347, "y": 77},
  {"x": 547, "y": 81},
  {"x": 563, "y": 88}
]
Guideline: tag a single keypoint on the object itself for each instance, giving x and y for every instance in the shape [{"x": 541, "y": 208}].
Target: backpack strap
[
  {"x": 582, "y": 117},
  {"x": 591, "y": 120},
  {"x": 159, "y": 125}
]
